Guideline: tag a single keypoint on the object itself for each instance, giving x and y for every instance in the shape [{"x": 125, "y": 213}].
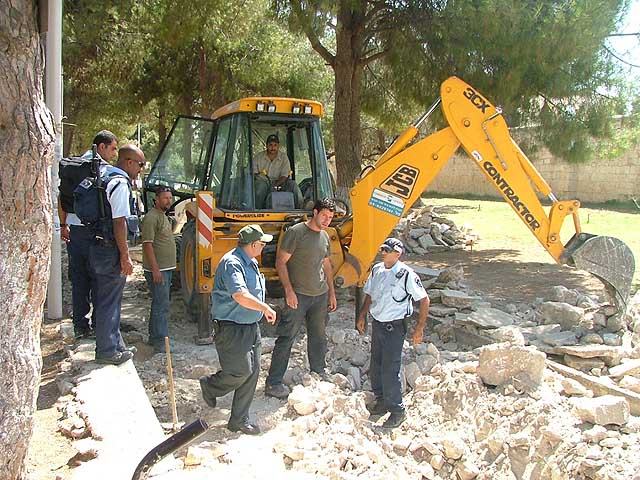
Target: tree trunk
[
  {"x": 348, "y": 74},
  {"x": 26, "y": 149}
]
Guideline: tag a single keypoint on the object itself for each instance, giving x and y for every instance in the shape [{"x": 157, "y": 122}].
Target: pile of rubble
[
  {"x": 532, "y": 391},
  {"x": 424, "y": 231}
]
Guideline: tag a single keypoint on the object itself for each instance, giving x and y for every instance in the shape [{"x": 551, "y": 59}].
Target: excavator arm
[{"x": 386, "y": 191}]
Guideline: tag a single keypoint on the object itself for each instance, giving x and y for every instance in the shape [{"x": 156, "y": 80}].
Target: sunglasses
[
  {"x": 386, "y": 249},
  {"x": 140, "y": 164}
]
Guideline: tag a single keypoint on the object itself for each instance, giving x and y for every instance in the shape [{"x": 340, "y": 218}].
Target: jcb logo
[
  {"x": 479, "y": 102},
  {"x": 401, "y": 182}
]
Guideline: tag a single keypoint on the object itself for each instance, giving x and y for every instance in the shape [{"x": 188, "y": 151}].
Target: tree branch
[
  {"x": 305, "y": 23},
  {"x": 372, "y": 58}
]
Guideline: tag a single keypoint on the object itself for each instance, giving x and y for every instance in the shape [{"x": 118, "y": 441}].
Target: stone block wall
[{"x": 600, "y": 180}]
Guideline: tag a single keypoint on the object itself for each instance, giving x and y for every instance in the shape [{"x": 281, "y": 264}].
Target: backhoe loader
[{"x": 209, "y": 164}]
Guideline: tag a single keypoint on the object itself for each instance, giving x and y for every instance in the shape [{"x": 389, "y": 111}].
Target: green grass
[{"x": 498, "y": 225}]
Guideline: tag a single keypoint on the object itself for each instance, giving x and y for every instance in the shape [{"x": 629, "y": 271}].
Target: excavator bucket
[{"x": 608, "y": 258}]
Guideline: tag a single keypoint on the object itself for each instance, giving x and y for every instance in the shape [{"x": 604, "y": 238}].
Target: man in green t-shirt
[
  {"x": 304, "y": 268},
  {"x": 159, "y": 262}
]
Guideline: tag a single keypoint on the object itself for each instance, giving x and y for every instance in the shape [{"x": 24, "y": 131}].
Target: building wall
[{"x": 598, "y": 181}]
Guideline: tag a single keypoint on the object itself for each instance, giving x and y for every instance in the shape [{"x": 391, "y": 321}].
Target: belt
[
  {"x": 230, "y": 322},
  {"x": 391, "y": 325}
]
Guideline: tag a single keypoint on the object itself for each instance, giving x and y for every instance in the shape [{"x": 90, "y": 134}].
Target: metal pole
[{"x": 53, "y": 69}]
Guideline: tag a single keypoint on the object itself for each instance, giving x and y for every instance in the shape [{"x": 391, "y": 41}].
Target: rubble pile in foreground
[{"x": 547, "y": 390}]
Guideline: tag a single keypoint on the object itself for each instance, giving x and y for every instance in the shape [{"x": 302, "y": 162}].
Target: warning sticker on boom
[{"x": 386, "y": 202}]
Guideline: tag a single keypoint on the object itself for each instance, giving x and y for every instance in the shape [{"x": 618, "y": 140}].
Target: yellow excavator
[{"x": 210, "y": 165}]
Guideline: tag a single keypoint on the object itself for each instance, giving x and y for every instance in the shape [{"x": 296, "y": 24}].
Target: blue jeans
[
  {"x": 104, "y": 265},
  {"x": 80, "y": 240},
  {"x": 160, "y": 303},
  {"x": 387, "y": 339},
  {"x": 312, "y": 311}
]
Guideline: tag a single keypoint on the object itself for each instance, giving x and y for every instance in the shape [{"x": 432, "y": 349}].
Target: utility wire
[{"x": 620, "y": 59}]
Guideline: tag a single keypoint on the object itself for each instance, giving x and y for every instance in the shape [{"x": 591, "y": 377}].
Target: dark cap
[
  {"x": 253, "y": 233},
  {"x": 273, "y": 138},
  {"x": 393, "y": 244}
]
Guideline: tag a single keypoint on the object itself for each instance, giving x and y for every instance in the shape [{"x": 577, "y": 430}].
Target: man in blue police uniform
[
  {"x": 237, "y": 305},
  {"x": 389, "y": 294},
  {"x": 109, "y": 260},
  {"x": 79, "y": 238}
]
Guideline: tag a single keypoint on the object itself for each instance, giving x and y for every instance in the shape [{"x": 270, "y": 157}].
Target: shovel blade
[{"x": 607, "y": 258}]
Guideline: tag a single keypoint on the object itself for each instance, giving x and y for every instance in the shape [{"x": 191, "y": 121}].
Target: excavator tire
[
  {"x": 607, "y": 258},
  {"x": 188, "y": 271}
]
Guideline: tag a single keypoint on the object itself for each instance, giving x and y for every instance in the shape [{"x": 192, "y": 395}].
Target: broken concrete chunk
[
  {"x": 439, "y": 310},
  {"x": 630, "y": 383},
  {"x": 509, "y": 334},
  {"x": 612, "y": 354},
  {"x": 437, "y": 461},
  {"x": 500, "y": 363},
  {"x": 195, "y": 456},
  {"x": 467, "y": 470},
  {"x": 573, "y": 387},
  {"x": 560, "y": 293},
  {"x": 583, "y": 364},
  {"x": 627, "y": 368},
  {"x": 566, "y": 315},
  {"x": 425, "y": 271},
  {"x": 426, "y": 241},
  {"x": 412, "y": 372},
  {"x": 458, "y": 299},
  {"x": 487, "y": 318},
  {"x": 453, "y": 447},
  {"x": 595, "y": 434},
  {"x": 591, "y": 338},
  {"x": 612, "y": 339},
  {"x": 451, "y": 274},
  {"x": 604, "y": 410},
  {"x": 556, "y": 339},
  {"x": 302, "y": 400},
  {"x": 426, "y": 363}
]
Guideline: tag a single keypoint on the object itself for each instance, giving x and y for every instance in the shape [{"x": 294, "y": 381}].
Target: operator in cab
[{"x": 272, "y": 171}]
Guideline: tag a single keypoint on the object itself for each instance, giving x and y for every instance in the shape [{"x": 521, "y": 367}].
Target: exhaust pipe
[{"x": 170, "y": 445}]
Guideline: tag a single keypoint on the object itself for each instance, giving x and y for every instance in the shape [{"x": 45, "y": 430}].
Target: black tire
[{"x": 188, "y": 271}]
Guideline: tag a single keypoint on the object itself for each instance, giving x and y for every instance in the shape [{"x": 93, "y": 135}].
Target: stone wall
[{"x": 598, "y": 181}]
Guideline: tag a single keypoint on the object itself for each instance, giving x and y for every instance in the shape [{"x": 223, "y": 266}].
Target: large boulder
[{"x": 502, "y": 362}]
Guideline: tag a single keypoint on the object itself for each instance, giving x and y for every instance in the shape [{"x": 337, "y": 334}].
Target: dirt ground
[{"x": 511, "y": 274}]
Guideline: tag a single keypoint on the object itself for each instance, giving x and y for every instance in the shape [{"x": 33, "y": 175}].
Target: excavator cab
[{"x": 221, "y": 155}]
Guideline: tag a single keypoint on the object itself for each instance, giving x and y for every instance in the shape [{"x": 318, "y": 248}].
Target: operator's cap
[
  {"x": 392, "y": 244},
  {"x": 253, "y": 233},
  {"x": 273, "y": 138}
]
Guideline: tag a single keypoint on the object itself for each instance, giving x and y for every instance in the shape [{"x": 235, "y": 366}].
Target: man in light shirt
[{"x": 389, "y": 294}]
